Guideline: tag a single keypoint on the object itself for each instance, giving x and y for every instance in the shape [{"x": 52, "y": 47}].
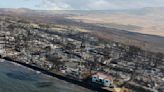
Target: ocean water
[{"x": 17, "y": 78}]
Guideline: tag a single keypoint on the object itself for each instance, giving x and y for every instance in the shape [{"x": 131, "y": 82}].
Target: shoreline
[
  {"x": 83, "y": 84},
  {"x": 70, "y": 80}
]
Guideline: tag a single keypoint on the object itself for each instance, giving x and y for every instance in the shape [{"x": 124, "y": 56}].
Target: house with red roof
[{"x": 103, "y": 79}]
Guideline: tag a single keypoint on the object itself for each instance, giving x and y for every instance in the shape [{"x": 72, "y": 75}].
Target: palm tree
[{"x": 56, "y": 61}]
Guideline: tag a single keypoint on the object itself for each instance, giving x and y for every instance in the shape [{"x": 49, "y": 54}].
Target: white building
[{"x": 102, "y": 79}]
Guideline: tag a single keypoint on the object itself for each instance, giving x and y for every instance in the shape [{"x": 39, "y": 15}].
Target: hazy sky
[{"x": 80, "y": 4}]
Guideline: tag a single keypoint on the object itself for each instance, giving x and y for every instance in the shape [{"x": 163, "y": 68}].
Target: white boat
[{"x": 38, "y": 72}]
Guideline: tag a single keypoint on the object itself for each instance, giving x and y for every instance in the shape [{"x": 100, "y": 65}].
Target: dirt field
[{"x": 147, "y": 24}]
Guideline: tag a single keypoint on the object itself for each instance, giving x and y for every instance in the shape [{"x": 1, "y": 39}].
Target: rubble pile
[{"x": 78, "y": 54}]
